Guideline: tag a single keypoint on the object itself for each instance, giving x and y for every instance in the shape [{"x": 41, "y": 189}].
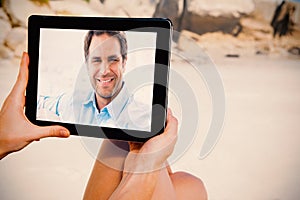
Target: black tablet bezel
[{"x": 162, "y": 27}]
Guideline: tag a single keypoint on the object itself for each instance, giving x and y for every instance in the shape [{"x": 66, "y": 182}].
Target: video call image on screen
[{"x": 99, "y": 87}]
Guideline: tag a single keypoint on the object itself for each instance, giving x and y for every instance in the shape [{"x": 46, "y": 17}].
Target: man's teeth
[{"x": 106, "y": 81}]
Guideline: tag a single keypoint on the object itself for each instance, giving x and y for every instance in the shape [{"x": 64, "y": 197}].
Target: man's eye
[
  {"x": 96, "y": 61},
  {"x": 114, "y": 60}
]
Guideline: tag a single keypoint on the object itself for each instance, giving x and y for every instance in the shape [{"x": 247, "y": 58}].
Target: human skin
[
  {"x": 143, "y": 172},
  {"x": 145, "y": 167},
  {"x": 107, "y": 171},
  {"x": 16, "y": 131},
  {"x": 119, "y": 165},
  {"x": 105, "y": 68},
  {"x": 146, "y": 174}
]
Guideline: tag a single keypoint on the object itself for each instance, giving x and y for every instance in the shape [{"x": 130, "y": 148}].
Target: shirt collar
[{"x": 116, "y": 106}]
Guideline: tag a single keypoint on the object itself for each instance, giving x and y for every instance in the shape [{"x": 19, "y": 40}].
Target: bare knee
[{"x": 188, "y": 186}]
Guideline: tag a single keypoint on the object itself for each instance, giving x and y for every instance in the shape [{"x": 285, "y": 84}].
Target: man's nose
[{"x": 104, "y": 68}]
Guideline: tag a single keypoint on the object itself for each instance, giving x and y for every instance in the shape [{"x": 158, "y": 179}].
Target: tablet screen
[
  {"x": 65, "y": 84},
  {"x": 106, "y": 75}
]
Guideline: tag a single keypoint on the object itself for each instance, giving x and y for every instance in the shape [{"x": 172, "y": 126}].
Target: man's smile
[{"x": 105, "y": 81}]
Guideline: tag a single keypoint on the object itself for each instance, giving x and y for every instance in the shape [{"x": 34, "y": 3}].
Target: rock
[
  {"x": 205, "y": 15},
  {"x": 5, "y": 53},
  {"x": 3, "y": 15},
  {"x": 294, "y": 51},
  {"x": 264, "y": 10},
  {"x": 189, "y": 49},
  {"x": 232, "y": 55},
  {"x": 217, "y": 8},
  {"x": 20, "y": 48},
  {"x": 16, "y": 37},
  {"x": 203, "y": 24},
  {"x": 136, "y": 8},
  {"x": 19, "y": 11},
  {"x": 258, "y": 29},
  {"x": 254, "y": 24},
  {"x": 258, "y": 35},
  {"x": 168, "y": 9},
  {"x": 96, "y": 6},
  {"x": 5, "y": 28},
  {"x": 74, "y": 7}
]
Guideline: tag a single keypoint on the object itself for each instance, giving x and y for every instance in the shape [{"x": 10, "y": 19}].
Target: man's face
[{"x": 105, "y": 66}]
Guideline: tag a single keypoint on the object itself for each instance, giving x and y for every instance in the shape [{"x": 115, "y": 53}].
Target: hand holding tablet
[
  {"x": 101, "y": 102},
  {"x": 16, "y": 132}
]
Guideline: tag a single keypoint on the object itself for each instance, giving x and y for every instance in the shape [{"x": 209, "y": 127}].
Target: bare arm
[
  {"x": 151, "y": 185},
  {"x": 145, "y": 168},
  {"x": 107, "y": 172}
]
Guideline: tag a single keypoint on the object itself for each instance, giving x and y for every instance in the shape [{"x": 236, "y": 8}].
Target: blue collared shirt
[{"x": 122, "y": 112}]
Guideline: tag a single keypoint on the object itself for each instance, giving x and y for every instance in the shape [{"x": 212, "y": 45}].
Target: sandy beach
[{"x": 255, "y": 157}]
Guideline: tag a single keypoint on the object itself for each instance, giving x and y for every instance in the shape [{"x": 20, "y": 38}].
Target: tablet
[{"x": 99, "y": 77}]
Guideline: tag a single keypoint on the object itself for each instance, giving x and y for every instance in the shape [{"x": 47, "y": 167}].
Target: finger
[
  {"x": 169, "y": 136},
  {"x": 18, "y": 90},
  {"x": 50, "y": 131},
  {"x": 170, "y": 133},
  {"x": 169, "y": 112},
  {"x": 172, "y": 122},
  {"x": 169, "y": 115}
]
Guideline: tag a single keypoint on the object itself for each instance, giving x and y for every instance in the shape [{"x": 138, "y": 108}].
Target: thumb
[
  {"x": 51, "y": 131},
  {"x": 21, "y": 83}
]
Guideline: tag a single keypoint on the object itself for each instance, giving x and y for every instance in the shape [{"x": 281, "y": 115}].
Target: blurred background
[{"x": 254, "y": 45}]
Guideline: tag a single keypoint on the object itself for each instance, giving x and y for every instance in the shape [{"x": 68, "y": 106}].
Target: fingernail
[{"x": 64, "y": 133}]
